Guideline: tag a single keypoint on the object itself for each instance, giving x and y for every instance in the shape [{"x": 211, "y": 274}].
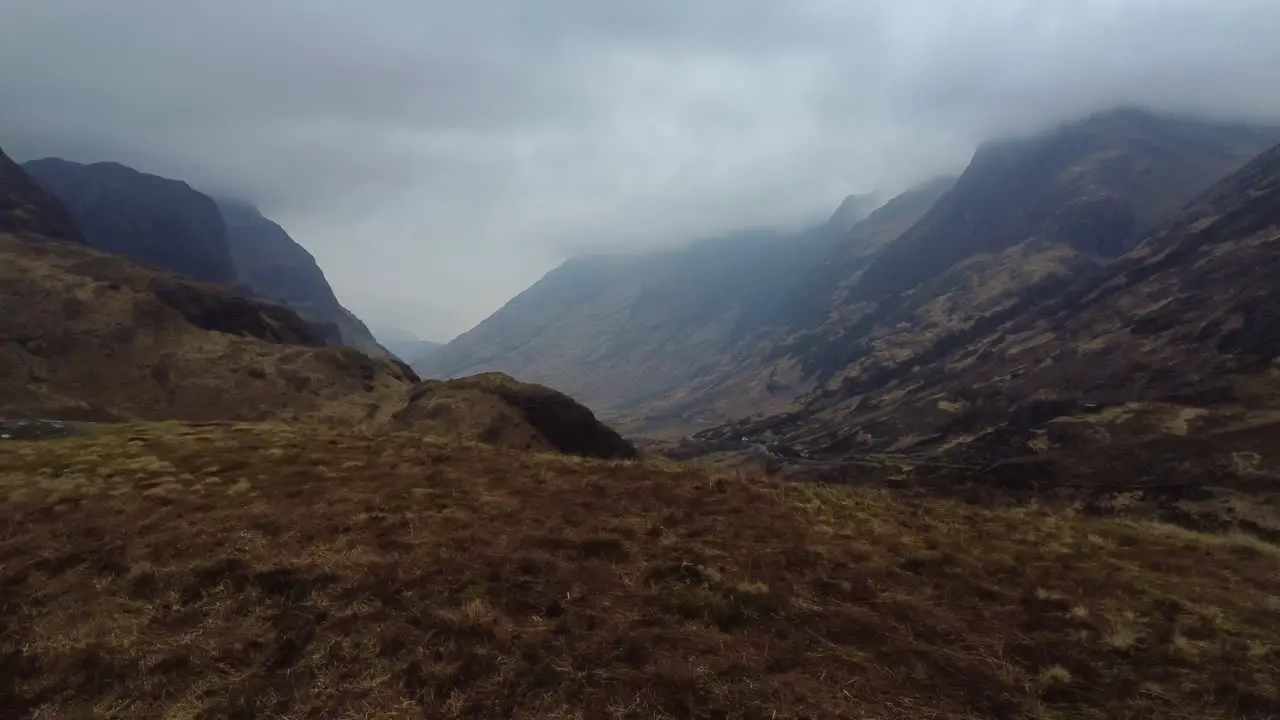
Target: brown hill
[
  {"x": 497, "y": 410},
  {"x": 91, "y": 336},
  {"x": 291, "y": 571}
]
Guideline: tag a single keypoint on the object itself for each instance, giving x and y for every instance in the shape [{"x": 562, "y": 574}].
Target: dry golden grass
[{"x": 169, "y": 570}]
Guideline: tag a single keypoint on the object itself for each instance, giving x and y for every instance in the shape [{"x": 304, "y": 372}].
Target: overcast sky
[{"x": 439, "y": 156}]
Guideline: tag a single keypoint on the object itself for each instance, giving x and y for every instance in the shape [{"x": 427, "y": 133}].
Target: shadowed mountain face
[
  {"x": 152, "y": 220},
  {"x": 274, "y": 266},
  {"x": 166, "y": 224},
  {"x": 27, "y": 208},
  {"x": 827, "y": 284}
]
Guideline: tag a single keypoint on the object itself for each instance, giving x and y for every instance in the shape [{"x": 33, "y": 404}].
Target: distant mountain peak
[{"x": 853, "y": 210}]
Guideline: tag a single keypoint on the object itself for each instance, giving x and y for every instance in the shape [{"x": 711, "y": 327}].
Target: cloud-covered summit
[{"x": 438, "y": 157}]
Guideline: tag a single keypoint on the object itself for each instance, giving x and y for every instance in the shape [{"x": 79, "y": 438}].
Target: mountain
[
  {"x": 152, "y": 220},
  {"x": 274, "y": 266},
  {"x": 167, "y": 224},
  {"x": 27, "y": 208},
  {"x": 86, "y": 335},
  {"x": 1026, "y": 218},
  {"x": 852, "y": 210},
  {"x": 827, "y": 283},
  {"x": 766, "y": 323},
  {"x": 90, "y": 336},
  {"x": 1154, "y": 378},
  {"x": 650, "y": 330}
]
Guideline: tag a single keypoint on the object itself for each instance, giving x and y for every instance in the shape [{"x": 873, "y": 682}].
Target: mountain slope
[
  {"x": 626, "y": 332},
  {"x": 828, "y": 283},
  {"x": 1097, "y": 185},
  {"x": 852, "y": 210},
  {"x": 152, "y": 220},
  {"x": 1170, "y": 352},
  {"x": 167, "y": 224},
  {"x": 86, "y": 335},
  {"x": 274, "y": 266},
  {"x": 89, "y": 335},
  {"x": 1026, "y": 219},
  {"x": 27, "y": 208},
  {"x": 657, "y": 332}
]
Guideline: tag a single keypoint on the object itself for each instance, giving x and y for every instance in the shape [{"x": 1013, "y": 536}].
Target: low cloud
[{"x": 439, "y": 157}]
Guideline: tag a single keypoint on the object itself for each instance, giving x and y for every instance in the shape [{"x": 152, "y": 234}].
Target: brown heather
[{"x": 202, "y": 571}]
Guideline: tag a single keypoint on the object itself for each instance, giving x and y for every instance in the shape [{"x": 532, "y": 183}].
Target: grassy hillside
[{"x": 263, "y": 570}]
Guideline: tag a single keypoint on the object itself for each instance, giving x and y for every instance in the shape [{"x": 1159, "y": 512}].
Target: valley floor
[{"x": 171, "y": 570}]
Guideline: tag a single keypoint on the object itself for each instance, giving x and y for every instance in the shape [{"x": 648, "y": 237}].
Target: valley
[{"x": 1001, "y": 445}]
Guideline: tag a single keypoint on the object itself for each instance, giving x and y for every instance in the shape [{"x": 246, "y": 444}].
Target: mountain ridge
[
  {"x": 168, "y": 224},
  {"x": 153, "y": 220}
]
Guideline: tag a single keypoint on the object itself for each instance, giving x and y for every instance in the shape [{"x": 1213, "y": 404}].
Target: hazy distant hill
[{"x": 623, "y": 332}]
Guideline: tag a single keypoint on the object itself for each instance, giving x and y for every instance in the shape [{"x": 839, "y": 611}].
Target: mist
[{"x": 439, "y": 157}]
